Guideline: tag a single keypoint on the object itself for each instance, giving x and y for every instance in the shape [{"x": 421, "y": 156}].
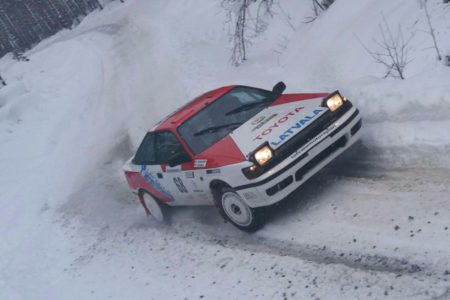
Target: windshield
[{"x": 218, "y": 119}]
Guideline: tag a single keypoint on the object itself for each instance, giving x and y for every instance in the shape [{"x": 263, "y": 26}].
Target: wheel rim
[
  {"x": 236, "y": 209},
  {"x": 153, "y": 207}
]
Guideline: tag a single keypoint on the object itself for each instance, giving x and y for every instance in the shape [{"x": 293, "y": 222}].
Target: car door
[{"x": 181, "y": 184}]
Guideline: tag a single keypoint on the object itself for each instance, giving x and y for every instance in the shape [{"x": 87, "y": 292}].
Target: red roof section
[
  {"x": 287, "y": 98},
  {"x": 191, "y": 108}
]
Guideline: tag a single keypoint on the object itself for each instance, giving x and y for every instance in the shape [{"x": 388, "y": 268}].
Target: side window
[
  {"x": 167, "y": 146},
  {"x": 145, "y": 154}
]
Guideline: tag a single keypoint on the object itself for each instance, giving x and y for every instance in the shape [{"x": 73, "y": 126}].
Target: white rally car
[{"x": 240, "y": 148}]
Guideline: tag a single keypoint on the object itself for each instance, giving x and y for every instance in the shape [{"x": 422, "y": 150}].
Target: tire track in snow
[
  {"x": 201, "y": 228},
  {"x": 310, "y": 253}
]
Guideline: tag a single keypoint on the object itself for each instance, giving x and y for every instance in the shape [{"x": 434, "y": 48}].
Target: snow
[{"x": 372, "y": 225}]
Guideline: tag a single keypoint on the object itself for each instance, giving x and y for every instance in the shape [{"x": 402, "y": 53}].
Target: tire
[
  {"x": 154, "y": 208},
  {"x": 235, "y": 210}
]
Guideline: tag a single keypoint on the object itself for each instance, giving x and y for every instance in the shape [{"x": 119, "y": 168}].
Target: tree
[
  {"x": 238, "y": 17},
  {"x": 393, "y": 51},
  {"x": 23, "y": 23}
]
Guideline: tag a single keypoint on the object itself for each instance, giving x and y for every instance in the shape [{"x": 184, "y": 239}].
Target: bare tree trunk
[
  {"x": 239, "y": 53},
  {"x": 427, "y": 14},
  {"x": 244, "y": 13}
]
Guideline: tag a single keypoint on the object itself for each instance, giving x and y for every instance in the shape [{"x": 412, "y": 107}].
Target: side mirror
[
  {"x": 279, "y": 88},
  {"x": 178, "y": 159}
]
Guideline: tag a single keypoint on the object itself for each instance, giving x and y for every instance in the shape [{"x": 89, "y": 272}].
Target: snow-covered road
[
  {"x": 374, "y": 224},
  {"x": 364, "y": 233}
]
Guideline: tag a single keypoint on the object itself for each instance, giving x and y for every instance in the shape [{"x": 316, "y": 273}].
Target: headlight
[
  {"x": 263, "y": 155},
  {"x": 335, "y": 102}
]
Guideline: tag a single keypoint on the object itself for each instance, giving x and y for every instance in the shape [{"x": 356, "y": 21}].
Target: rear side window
[
  {"x": 158, "y": 148},
  {"x": 145, "y": 154},
  {"x": 167, "y": 146}
]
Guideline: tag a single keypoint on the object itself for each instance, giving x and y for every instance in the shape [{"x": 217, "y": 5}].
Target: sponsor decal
[
  {"x": 263, "y": 121},
  {"x": 213, "y": 171},
  {"x": 200, "y": 163},
  {"x": 278, "y": 123},
  {"x": 298, "y": 126},
  {"x": 198, "y": 191},
  {"x": 180, "y": 185},
  {"x": 189, "y": 175},
  {"x": 258, "y": 120},
  {"x": 150, "y": 178},
  {"x": 319, "y": 137}
]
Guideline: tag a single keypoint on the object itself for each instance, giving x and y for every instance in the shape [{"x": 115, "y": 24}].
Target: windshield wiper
[
  {"x": 217, "y": 128},
  {"x": 247, "y": 107}
]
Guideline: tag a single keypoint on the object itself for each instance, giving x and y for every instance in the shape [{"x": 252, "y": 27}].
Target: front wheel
[{"x": 239, "y": 213}]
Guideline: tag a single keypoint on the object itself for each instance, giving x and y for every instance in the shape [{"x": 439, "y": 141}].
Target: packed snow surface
[{"x": 373, "y": 225}]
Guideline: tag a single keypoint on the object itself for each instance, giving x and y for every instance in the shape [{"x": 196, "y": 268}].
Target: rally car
[{"x": 241, "y": 149}]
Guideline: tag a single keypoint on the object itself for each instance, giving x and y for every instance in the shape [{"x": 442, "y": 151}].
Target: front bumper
[{"x": 277, "y": 183}]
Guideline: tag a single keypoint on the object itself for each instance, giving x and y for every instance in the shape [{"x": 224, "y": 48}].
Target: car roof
[{"x": 179, "y": 116}]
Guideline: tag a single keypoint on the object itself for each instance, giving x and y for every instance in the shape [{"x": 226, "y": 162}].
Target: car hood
[{"x": 278, "y": 123}]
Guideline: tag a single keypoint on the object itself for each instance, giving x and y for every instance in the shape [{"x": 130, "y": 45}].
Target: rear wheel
[
  {"x": 153, "y": 207},
  {"x": 238, "y": 212}
]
